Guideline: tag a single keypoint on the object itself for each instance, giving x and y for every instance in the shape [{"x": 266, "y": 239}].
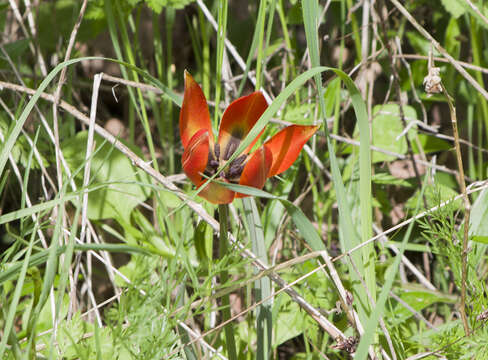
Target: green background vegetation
[{"x": 112, "y": 255}]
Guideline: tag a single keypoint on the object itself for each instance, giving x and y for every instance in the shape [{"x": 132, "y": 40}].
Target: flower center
[{"x": 233, "y": 171}]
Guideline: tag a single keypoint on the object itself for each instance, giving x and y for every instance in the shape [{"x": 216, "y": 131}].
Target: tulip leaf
[
  {"x": 304, "y": 226},
  {"x": 262, "y": 286},
  {"x": 364, "y": 260}
]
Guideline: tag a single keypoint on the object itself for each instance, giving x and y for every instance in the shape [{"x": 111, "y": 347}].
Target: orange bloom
[{"x": 202, "y": 155}]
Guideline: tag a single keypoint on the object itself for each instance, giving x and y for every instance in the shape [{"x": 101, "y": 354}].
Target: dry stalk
[
  {"x": 467, "y": 211},
  {"x": 433, "y": 84}
]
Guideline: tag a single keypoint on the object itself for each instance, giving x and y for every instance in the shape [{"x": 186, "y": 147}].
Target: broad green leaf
[
  {"x": 420, "y": 44},
  {"x": 387, "y": 179},
  {"x": 430, "y": 144},
  {"x": 14, "y": 50},
  {"x": 453, "y": 43},
  {"x": 298, "y": 114},
  {"x": 122, "y": 190},
  {"x": 453, "y": 7},
  {"x": 480, "y": 239},
  {"x": 158, "y": 5},
  {"x": 459, "y": 7},
  {"x": 289, "y": 321},
  {"x": 417, "y": 300},
  {"x": 294, "y": 15},
  {"x": 387, "y": 125},
  {"x": 478, "y": 221}
]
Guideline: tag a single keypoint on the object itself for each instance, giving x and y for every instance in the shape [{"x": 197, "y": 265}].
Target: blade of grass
[
  {"x": 304, "y": 226},
  {"x": 126, "y": 41},
  {"x": 221, "y": 33},
  {"x": 224, "y": 280},
  {"x": 254, "y": 45},
  {"x": 41, "y": 257},
  {"x": 169, "y": 14},
  {"x": 262, "y": 287},
  {"x": 372, "y": 322},
  {"x": 310, "y": 13},
  {"x": 204, "y": 30},
  {"x": 11, "y": 138},
  {"x": 12, "y": 309}
]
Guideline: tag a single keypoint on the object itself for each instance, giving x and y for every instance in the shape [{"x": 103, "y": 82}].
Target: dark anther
[
  {"x": 217, "y": 150},
  {"x": 214, "y": 164},
  {"x": 235, "y": 171},
  {"x": 239, "y": 160},
  {"x": 231, "y": 147}
]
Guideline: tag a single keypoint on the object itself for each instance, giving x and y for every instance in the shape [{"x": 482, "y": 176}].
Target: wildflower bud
[{"x": 432, "y": 81}]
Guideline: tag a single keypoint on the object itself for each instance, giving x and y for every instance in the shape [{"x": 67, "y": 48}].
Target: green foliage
[
  {"x": 158, "y": 5},
  {"x": 158, "y": 256},
  {"x": 119, "y": 187},
  {"x": 478, "y": 226},
  {"x": 387, "y": 126}
]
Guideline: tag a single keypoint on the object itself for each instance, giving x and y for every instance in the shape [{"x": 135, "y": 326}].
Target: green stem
[
  {"x": 222, "y": 19},
  {"x": 170, "y": 19},
  {"x": 224, "y": 278},
  {"x": 290, "y": 52},
  {"x": 259, "y": 61},
  {"x": 355, "y": 31}
]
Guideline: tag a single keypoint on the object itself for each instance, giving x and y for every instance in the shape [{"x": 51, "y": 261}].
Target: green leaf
[
  {"x": 434, "y": 196},
  {"x": 304, "y": 226},
  {"x": 387, "y": 179},
  {"x": 158, "y": 5},
  {"x": 453, "y": 43},
  {"x": 14, "y": 50},
  {"x": 262, "y": 287},
  {"x": 480, "y": 239},
  {"x": 204, "y": 251},
  {"x": 417, "y": 300},
  {"x": 289, "y": 320},
  {"x": 430, "y": 144},
  {"x": 121, "y": 189},
  {"x": 387, "y": 125},
  {"x": 478, "y": 224},
  {"x": 294, "y": 15},
  {"x": 453, "y": 7}
]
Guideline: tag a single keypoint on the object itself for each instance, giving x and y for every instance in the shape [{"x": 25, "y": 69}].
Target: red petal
[
  {"x": 238, "y": 120},
  {"x": 256, "y": 169},
  {"x": 286, "y": 146},
  {"x": 195, "y": 157},
  {"x": 194, "y": 113},
  {"x": 217, "y": 194},
  {"x": 194, "y": 162}
]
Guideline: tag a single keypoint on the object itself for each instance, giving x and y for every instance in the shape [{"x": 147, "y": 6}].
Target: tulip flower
[{"x": 203, "y": 155}]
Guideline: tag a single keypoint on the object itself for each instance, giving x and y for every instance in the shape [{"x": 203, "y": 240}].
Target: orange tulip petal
[
  {"x": 194, "y": 113},
  {"x": 195, "y": 156},
  {"x": 256, "y": 169},
  {"x": 286, "y": 146},
  {"x": 238, "y": 120},
  {"x": 217, "y": 194}
]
